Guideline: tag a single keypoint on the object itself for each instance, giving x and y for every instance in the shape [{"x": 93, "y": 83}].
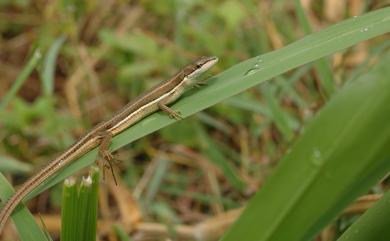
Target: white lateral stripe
[{"x": 126, "y": 120}]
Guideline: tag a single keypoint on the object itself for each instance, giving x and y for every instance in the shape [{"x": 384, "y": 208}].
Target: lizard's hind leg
[{"x": 105, "y": 153}]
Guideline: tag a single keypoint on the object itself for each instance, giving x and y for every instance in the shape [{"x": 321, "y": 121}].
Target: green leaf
[
  {"x": 156, "y": 180},
  {"x": 182, "y": 132},
  {"x": 246, "y": 103},
  {"x": 49, "y": 66},
  {"x": 135, "y": 69},
  {"x": 216, "y": 156},
  {"x": 279, "y": 115},
  {"x": 122, "y": 235},
  {"x": 340, "y": 155},
  {"x": 372, "y": 225},
  {"x": 322, "y": 65},
  {"x": 79, "y": 212},
  {"x": 9, "y": 164},
  {"x": 136, "y": 42},
  {"x": 22, "y": 77}
]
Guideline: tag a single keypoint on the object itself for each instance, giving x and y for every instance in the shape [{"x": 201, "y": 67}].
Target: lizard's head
[{"x": 200, "y": 66}]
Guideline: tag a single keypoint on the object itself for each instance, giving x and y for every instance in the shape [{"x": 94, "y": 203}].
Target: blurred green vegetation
[{"x": 98, "y": 55}]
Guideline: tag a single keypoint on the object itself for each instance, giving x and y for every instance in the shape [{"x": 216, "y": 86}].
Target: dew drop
[
  {"x": 317, "y": 153},
  {"x": 38, "y": 54},
  {"x": 317, "y": 158},
  {"x": 256, "y": 67},
  {"x": 251, "y": 71}
]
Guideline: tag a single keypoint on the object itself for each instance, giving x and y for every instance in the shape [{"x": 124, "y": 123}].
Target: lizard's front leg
[{"x": 172, "y": 114}]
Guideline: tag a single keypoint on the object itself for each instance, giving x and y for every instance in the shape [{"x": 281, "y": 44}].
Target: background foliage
[{"x": 84, "y": 60}]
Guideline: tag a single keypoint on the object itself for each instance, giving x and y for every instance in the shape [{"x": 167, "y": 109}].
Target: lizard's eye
[{"x": 198, "y": 66}]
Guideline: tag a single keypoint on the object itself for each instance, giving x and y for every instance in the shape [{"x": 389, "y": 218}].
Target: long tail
[
  {"x": 80, "y": 147},
  {"x": 19, "y": 195}
]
